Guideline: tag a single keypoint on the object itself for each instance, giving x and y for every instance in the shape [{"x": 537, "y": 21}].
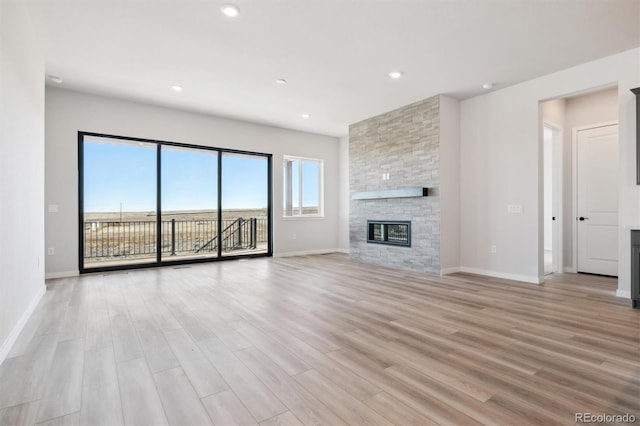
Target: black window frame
[{"x": 159, "y": 261}]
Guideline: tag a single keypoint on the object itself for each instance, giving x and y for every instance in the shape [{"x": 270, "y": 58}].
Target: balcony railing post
[
  {"x": 254, "y": 228},
  {"x": 240, "y": 222},
  {"x": 173, "y": 237}
]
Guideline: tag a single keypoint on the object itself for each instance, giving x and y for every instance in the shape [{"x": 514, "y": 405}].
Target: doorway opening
[
  {"x": 578, "y": 176},
  {"x": 552, "y": 140}
]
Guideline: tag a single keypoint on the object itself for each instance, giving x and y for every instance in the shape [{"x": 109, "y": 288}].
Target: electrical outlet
[
  {"x": 294, "y": 236},
  {"x": 51, "y": 251},
  {"x": 494, "y": 249}
]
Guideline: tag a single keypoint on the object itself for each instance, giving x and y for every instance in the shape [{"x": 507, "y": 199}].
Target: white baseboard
[
  {"x": 447, "y": 271},
  {"x": 17, "y": 329},
  {"x": 571, "y": 270},
  {"x": 342, "y": 250},
  {"x": 625, "y": 294},
  {"x": 308, "y": 252},
  {"x": 63, "y": 274},
  {"x": 504, "y": 275}
]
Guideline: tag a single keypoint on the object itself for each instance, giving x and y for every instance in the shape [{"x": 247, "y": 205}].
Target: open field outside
[{"x": 131, "y": 236}]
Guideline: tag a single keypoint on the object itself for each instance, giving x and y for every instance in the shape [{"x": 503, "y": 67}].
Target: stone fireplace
[{"x": 390, "y": 155}]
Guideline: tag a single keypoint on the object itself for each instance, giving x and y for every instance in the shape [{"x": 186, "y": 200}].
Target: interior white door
[{"x": 597, "y": 200}]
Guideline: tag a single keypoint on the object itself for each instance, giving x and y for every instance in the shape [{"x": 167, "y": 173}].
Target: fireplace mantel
[{"x": 391, "y": 193}]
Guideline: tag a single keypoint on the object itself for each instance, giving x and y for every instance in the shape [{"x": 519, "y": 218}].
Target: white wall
[
  {"x": 68, "y": 112},
  {"x": 343, "y": 184},
  {"x": 449, "y": 190},
  {"x": 21, "y": 172},
  {"x": 500, "y": 144}
]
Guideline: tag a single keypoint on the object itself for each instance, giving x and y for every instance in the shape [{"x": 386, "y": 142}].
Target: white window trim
[{"x": 301, "y": 216}]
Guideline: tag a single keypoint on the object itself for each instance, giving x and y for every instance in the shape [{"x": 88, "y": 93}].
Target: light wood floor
[{"x": 321, "y": 340}]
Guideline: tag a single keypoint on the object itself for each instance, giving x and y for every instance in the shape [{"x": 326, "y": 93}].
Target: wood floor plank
[
  {"x": 163, "y": 316},
  {"x": 322, "y": 340},
  {"x": 298, "y": 400},
  {"x": 74, "y": 323},
  {"x": 28, "y": 333},
  {"x": 191, "y": 323},
  {"x": 257, "y": 397},
  {"x": 395, "y": 410},
  {"x": 155, "y": 346},
  {"x": 126, "y": 344},
  {"x": 202, "y": 374},
  {"x": 284, "y": 419},
  {"x": 24, "y": 377},
  {"x": 72, "y": 419},
  {"x": 344, "y": 405},
  {"x": 23, "y": 414},
  {"x": 288, "y": 361},
  {"x": 140, "y": 401},
  {"x": 100, "y": 391},
  {"x": 63, "y": 390},
  {"x": 225, "y": 408},
  {"x": 98, "y": 329},
  {"x": 180, "y": 401},
  {"x": 346, "y": 379},
  {"x": 222, "y": 330}
]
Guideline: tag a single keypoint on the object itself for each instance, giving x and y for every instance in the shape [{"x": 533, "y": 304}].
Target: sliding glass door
[
  {"x": 245, "y": 204},
  {"x": 119, "y": 202},
  {"x": 189, "y": 203},
  {"x": 149, "y": 203}
]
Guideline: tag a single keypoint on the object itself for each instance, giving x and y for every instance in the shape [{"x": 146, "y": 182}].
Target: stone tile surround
[{"x": 404, "y": 143}]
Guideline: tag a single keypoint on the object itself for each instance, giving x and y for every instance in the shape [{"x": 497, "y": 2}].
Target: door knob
[{"x": 582, "y": 218}]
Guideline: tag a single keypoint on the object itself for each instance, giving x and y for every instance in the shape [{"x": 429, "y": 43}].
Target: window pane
[
  {"x": 189, "y": 203},
  {"x": 119, "y": 202},
  {"x": 310, "y": 187},
  {"x": 291, "y": 196},
  {"x": 245, "y": 198}
]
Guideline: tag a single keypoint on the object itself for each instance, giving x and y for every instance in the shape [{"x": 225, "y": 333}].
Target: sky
[{"x": 124, "y": 173}]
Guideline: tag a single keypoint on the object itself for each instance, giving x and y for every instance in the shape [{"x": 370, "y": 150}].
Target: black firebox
[{"x": 395, "y": 233}]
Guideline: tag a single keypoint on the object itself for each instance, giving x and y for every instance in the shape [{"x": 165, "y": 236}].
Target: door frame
[
  {"x": 574, "y": 182},
  {"x": 557, "y": 184}
]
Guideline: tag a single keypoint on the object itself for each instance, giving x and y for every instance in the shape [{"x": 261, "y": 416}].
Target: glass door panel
[
  {"x": 189, "y": 201},
  {"x": 245, "y": 201},
  {"x": 118, "y": 202}
]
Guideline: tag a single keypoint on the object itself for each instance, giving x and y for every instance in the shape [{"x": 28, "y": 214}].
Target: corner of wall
[
  {"x": 449, "y": 184},
  {"x": 343, "y": 194},
  {"x": 21, "y": 125}
]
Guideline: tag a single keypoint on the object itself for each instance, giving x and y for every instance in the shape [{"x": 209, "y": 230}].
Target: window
[
  {"x": 302, "y": 187},
  {"x": 148, "y": 203}
]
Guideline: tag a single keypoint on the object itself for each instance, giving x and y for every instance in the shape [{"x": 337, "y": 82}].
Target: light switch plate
[
  {"x": 514, "y": 208},
  {"x": 52, "y": 208}
]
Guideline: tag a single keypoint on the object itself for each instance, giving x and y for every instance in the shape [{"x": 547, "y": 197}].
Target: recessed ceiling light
[
  {"x": 281, "y": 81},
  {"x": 230, "y": 10},
  {"x": 487, "y": 86},
  {"x": 176, "y": 88},
  {"x": 395, "y": 74},
  {"x": 54, "y": 79},
  {"x": 305, "y": 115}
]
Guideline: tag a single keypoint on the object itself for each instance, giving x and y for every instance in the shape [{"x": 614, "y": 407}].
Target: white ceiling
[{"x": 335, "y": 54}]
